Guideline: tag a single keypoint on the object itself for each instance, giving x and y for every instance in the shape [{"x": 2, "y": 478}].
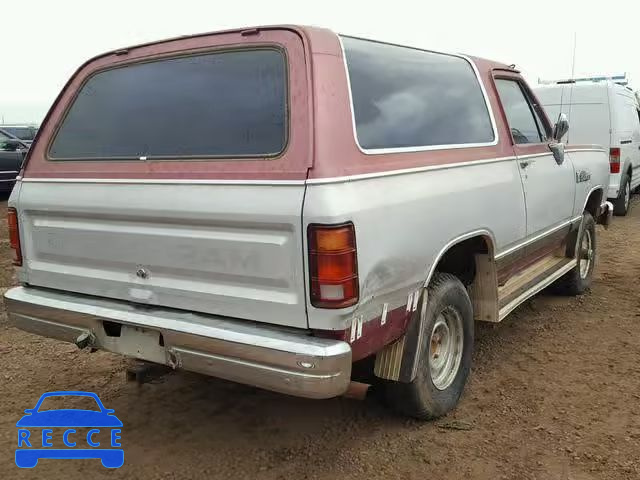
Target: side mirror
[
  {"x": 557, "y": 149},
  {"x": 561, "y": 128}
]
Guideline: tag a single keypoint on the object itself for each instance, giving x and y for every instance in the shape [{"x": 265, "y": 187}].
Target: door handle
[{"x": 526, "y": 163}]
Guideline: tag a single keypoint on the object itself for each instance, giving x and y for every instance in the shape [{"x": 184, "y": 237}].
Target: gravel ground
[{"x": 554, "y": 394}]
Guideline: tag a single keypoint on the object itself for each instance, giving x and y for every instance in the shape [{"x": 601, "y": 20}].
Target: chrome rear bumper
[{"x": 278, "y": 359}]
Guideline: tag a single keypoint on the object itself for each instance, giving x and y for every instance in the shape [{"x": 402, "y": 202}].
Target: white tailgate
[{"x": 227, "y": 249}]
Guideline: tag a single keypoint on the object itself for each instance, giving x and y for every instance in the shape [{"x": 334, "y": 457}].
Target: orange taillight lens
[
  {"x": 14, "y": 235},
  {"x": 333, "y": 265}
]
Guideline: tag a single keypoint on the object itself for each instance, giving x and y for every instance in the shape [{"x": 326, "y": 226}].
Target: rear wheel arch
[
  {"x": 458, "y": 252},
  {"x": 470, "y": 259},
  {"x": 594, "y": 201}
]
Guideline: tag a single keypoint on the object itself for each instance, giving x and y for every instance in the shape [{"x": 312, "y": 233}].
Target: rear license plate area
[{"x": 136, "y": 342}]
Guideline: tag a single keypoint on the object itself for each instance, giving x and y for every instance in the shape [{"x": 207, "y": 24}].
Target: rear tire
[
  {"x": 621, "y": 205},
  {"x": 444, "y": 358},
  {"x": 578, "y": 280}
]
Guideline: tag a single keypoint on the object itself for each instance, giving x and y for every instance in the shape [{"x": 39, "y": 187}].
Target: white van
[{"x": 606, "y": 113}]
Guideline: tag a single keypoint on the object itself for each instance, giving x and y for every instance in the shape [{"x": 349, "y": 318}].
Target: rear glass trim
[{"x": 176, "y": 55}]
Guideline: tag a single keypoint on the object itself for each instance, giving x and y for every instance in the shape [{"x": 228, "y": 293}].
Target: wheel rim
[
  {"x": 586, "y": 254},
  {"x": 627, "y": 195},
  {"x": 445, "y": 348}
]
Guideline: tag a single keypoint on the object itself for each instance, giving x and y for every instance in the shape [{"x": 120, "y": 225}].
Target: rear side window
[
  {"x": 223, "y": 104},
  {"x": 405, "y": 98}
]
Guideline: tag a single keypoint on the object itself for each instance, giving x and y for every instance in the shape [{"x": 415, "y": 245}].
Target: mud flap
[
  {"x": 399, "y": 360},
  {"x": 605, "y": 215}
]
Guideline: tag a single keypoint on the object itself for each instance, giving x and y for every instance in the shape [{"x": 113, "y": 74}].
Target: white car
[{"x": 606, "y": 113}]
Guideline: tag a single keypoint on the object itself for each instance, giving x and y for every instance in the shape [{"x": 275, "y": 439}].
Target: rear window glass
[
  {"x": 408, "y": 98},
  {"x": 224, "y": 104}
]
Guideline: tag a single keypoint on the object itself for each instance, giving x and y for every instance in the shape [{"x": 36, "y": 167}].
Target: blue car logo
[{"x": 33, "y": 446}]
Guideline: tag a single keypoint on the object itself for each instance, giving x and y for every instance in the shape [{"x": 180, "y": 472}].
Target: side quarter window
[{"x": 525, "y": 125}]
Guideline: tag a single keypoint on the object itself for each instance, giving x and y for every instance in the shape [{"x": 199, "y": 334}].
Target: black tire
[
  {"x": 621, "y": 204},
  {"x": 575, "y": 282},
  {"x": 421, "y": 398}
]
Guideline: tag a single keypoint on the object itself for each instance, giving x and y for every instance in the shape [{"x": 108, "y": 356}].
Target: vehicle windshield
[
  {"x": 69, "y": 402},
  {"x": 23, "y": 133}
]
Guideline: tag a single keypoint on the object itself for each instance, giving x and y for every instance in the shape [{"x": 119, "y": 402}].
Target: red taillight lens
[
  {"x": 614, "y": 160},
  {"x": 333, "y": 265},
  {"x": 14, "y": 235}
]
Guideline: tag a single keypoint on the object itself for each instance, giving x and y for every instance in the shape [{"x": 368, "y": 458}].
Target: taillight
[
  {"x": 333, "y": 265},
  {"x": 614, "y": 160},
  {"x": 14, "y": 235}
]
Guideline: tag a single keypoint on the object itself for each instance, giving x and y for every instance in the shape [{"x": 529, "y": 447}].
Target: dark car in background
[
  {"x": 12, "y": 153},
  {"x": 26, "y": 133}
]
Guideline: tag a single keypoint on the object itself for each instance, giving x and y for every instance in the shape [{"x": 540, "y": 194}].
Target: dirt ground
[{"x": 554, "y": 394}]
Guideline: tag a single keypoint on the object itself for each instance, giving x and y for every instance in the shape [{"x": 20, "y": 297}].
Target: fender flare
[{"x": 456, "y": 240}]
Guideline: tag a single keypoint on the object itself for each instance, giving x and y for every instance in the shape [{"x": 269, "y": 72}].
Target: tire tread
[{"x": 409, "y": 398}]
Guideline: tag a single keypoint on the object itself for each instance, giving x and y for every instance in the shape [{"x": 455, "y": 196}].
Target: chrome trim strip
[
  {"x": 381, "y": 151},
  {"x": 163, "y": 181},
  {"x": 312, "y": 181},
  {"x": 405, "y": 171},
  {"x": 9, "y": 171},
  {"x": 595, "y": 148},
  {"x": 537, "y": 237},
  {"x": 536, "y": 155},
  {"x": 509, "y": 307},
  {"x": 284, "y": 360}
]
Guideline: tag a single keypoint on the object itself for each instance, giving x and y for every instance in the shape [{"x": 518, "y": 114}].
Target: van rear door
[
  {"x": 626, "y": 132},
  {"x": 173, "y": 174}
]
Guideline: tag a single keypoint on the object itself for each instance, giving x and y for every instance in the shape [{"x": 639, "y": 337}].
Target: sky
[{"x": 56, "y": 36}]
